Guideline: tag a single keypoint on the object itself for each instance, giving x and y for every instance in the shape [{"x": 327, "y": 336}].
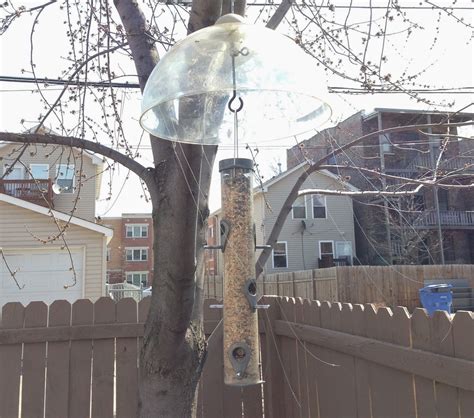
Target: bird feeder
[{"x": 227, "y": 83}]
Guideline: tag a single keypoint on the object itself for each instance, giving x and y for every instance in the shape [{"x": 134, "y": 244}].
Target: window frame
[
  {"x": 326, "y": 242},
  {"x": 325, "y": 206},
  {"x": 133, "y": 226},
  {"x": 305, "y": 208},
  {"x": 39, "y": 165},
  {"x": 73, "y": 180},
  {"x": 280, "y": 255},
  {"x": 7, "y": 166},
  {"x": 337, "y": 255},
  {"x": 141, "y": 249},
  {"x": 141, "y": 273}
]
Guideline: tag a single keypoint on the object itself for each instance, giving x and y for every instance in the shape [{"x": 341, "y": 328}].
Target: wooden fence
[
  {"x": 318, "y": 360},
  {"x": 382, "y": 285}
]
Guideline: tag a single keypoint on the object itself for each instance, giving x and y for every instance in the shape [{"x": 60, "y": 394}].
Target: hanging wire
[{"x": 232, "y": 105}]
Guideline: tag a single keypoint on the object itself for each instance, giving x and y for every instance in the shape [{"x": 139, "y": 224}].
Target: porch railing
[
  {"x": 446, "y": 218},
  {"x": 34, "y": 191}
]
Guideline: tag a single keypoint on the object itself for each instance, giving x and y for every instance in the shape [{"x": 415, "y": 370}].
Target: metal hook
[{"x": 232, "y": 100}]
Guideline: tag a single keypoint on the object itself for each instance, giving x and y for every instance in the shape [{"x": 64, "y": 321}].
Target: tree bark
[{"x": 174, "y": 346}]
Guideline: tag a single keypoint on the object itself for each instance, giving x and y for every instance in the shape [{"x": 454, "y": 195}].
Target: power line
[
  {"x": 334, "y": 6},
  {"x": 58, "y": 81},
  {"x": 127, "y": 85}
]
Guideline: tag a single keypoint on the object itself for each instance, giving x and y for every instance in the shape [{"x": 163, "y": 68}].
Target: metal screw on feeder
[{"x": 227, "y": 83}]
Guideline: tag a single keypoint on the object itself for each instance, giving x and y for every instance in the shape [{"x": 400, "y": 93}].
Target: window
[
  {"x": 14, "y": 173},
  {"x": 137, "y": 278},
  {"x": 39, "y": 171},
  {"x": 136, "y": 254},
  {"x": 319, "y": 206},
  {"x": 108, "y": 254},
  {"x": 280, "y": 256},
  {"x": 136, "y": 231},
  {"x": 299, "y": 208},
  {"x": 65, "y": 177},
  {"x": 326, "y": 252},
  {"x": 385, "y": 144},
  {"x": 344, "y": 250}
]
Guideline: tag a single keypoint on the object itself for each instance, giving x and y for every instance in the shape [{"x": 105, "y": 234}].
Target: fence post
[
  {"x": 264, "y": 290},
  {"x": 271, "y": 361},
  {"x": 294, "y": 285}
]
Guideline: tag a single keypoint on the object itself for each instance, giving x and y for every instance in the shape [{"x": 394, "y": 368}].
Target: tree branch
[
  {"x": 279, "y": 14},
  {"x": 361, "y": 192},
  {"x": 95, "y": 147}
]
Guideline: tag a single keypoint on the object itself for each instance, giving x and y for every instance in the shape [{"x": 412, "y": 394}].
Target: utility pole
[
  {"x": 435, "y": 194},
  {"x": 382, "y": 141}
]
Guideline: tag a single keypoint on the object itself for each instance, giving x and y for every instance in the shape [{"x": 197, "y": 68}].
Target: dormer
[{"x": 63, "y": 178}]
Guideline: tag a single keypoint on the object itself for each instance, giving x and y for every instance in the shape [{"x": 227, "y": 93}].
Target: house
[
  {"x": 435, "y": 226},
  {"x": 319, "y": 231},
  {"x": 130, "y": 251},
  {"x": 50, "y": 242}
]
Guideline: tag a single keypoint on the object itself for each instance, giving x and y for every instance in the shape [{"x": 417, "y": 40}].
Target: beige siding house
[
  {"x": 318, "y": 232},
  {"x": 45, "y": 266}
]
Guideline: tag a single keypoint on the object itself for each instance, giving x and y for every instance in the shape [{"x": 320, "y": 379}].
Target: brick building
[
  {"x": 130, "y": 252},
  {"x": 432, "y": 227}
]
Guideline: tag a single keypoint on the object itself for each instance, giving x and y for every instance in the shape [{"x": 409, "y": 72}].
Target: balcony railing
[
  {"x": 34, "y": 191},
  {"x": 448, "y": 218},
  {"x": 424, "y": 163}
]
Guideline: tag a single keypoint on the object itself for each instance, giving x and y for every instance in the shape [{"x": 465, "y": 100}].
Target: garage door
[{"x": 42, "y": 275}]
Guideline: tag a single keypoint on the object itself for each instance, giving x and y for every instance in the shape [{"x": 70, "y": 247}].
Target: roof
[
  {"x": 286, "y": 173},
  {"x": 58, "y": 215},
  {"x": 378, "y": 110}
]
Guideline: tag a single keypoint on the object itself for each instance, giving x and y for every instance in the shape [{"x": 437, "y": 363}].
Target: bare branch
[
  {"x": 305, "y": 192},
  {"x": 279, "y": 14},
  {"x": 84, "y": 144}
]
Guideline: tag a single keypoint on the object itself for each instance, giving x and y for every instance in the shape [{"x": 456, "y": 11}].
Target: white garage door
[{"x": 42, "y": 275}]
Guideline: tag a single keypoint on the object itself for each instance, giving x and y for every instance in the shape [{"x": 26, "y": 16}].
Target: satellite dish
[{"x": 57, "y": 189}]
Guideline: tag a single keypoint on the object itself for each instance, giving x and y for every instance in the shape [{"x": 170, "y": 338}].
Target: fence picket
[
  {"x": 463, "y": 331},
  {"x": 213, "y": 376},
  {"x": 57, "y": 379},
  {"x": 80, "y": 363},
  {"x": 421, "y": 339},
  {"x": 289, "y": 348},
  {"x": 34, "y": 358},
  {"x": 103, "y": 364},
  {"x": 311, "y": 317},
  {"x": 361, "y": 366},
  {"x": 10, "y": 361},
  {"x": 126, "y": 363},
  {"x": 442, "y": 343},
  {"x": 273, "y": 372},
  {"x": 301, "y": 362},
  {"x": 403, "y": 382}
]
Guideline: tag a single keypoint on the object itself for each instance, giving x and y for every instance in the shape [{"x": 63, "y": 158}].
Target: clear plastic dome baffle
[{"x": 187, "y": 95}]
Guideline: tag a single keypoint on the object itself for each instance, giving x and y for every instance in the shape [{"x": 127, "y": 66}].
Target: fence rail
[{"x": 318, "y": 360}]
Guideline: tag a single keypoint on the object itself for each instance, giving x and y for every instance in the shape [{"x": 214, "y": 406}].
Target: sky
[{"x": 448, "y": 64}]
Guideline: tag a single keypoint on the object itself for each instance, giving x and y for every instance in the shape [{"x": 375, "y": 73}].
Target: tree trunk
[{"x": 174, "y": 345}]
